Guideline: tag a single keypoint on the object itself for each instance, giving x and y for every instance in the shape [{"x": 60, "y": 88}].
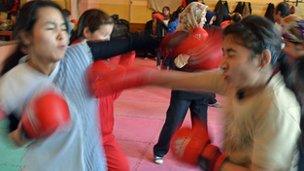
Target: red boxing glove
[
  {"x": 102, "y": 67},
  {"x": 192, "y": 146},
  {"x": 96, "y": 72},
  {"x": 44, "y": 114},
  {"x": 114, "y": 60},
  {"x": 127, "y": 59},
  {"x": 123, "y": 59},
  {"x": 107, "y": 81}
]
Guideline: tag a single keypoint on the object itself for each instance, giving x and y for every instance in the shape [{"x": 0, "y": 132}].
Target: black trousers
[{"x": 179, "y": 103}]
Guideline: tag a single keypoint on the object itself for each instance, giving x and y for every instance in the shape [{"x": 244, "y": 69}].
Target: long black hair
[
  {"x": 28, "y": 16},
  {"x": 269, "y": 12},
  {"x": 26, "y": 20},
  {"x": 283, "y": 8}
]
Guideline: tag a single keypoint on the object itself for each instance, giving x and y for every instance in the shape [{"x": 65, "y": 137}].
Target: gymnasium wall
[{"x": 137, "y": 11}]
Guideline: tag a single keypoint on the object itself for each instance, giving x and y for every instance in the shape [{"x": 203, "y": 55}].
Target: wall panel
[
  {"x": 120, "y": 7},
  {"x": 137, "y": 11}
]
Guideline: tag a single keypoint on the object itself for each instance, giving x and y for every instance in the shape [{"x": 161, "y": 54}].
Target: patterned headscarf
[
  {"x": 192, "y": 16},
  {"x": 293, "y": 29}
]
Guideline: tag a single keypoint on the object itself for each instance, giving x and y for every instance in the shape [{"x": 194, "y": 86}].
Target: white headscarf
[{"x": 194, "y": 15}]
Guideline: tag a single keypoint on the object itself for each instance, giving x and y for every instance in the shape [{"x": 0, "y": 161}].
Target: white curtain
[{"x": 157, "y": 5}]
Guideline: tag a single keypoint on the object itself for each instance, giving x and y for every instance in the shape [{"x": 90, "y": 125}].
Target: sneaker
[{"x": 158, "y": 160}]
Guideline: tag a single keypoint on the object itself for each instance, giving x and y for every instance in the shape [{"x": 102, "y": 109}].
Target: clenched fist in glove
[
  {"x": 127, "y": 59},
  {"x": 44, "y": 114},
  {"x": 107, "y": 80},
  {"x": 192, "y": 146}
]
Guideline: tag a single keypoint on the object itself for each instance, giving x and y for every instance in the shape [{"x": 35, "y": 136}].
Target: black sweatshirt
[{"x": 134, "y": 41}]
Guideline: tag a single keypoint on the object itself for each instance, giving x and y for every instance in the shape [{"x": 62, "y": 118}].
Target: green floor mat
[{"x": 10, "y": 155}]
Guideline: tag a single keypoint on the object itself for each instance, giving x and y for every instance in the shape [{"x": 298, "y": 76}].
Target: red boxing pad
[
  {"x": 187, "y": 143},
  {"x": 207, "y": 55},
  {"x": 196, "y": 38},
  {"x": 181, "y": 42},
  {"x": 45, "y": 113}
]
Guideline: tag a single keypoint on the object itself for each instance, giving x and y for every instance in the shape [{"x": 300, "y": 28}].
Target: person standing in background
[
  {"x": 181, "y": 43},
  {"x": 282, "y": 10},
  {"x": 167, "y": 15}
]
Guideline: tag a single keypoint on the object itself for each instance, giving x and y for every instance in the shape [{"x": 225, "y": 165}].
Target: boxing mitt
[
  {"x": 195, "y": 38},
  {"x": 207, "y": 55},
  {"x": 192, "y": 146},
  {"x": 44, "y": 114},
  {"x": 181, "y": 42},
  {"x": 203, "y": 46}
]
